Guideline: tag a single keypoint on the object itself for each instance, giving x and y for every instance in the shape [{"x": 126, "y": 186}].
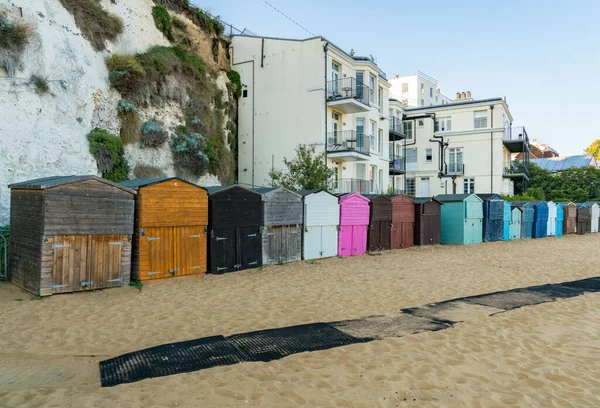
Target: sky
[{"x": 543, "y": 56}]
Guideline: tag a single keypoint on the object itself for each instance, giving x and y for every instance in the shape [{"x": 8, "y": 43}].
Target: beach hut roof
[
  {"x": 486, "y": 197},
  {"x": 376, "y": 196},
  {"x": 49, "y": 182},
  {"x": 218, "y": 189},
  {"x": 449, "y": 198},
  {"x": 145, "y": 182},
  {"x": 267, "y": 190},
  {"x": 421, "y": 200},
  {"x": 520, "y": 203},
  {"x": 304, "y": 193}
]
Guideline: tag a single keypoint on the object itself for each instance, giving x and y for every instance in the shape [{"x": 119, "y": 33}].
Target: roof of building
[
  {"x": 54, "y": 181},
  {"x": 556, "y": 164},
  {"x": 216, "y": 189},
  {"x": 421, "y": 200},
  {"x": 453, "y": 104},
  {"x": 304, "y": 193},
  {"x": 485, "y": 197},
  {"x": 449, "y": 198},
  {"x": 145, "y": 182},
  {"x": 263, "y": 190}
]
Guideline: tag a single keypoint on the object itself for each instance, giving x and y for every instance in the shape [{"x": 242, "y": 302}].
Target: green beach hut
[{"x": 462, "y": 218}]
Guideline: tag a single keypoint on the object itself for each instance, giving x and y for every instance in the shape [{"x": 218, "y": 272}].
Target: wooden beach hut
[
  {"x": 594, "y": 215},
  {"x": 234, "y": 226},
  {"x": 354, "y": 223},
  {"x": 584, "y": 219},
  {"x": 570, "y": 217},
  {"x": 516, "y": 219},
  {"x": 540, "y": 219},
  {"x": 380, "y": 223},
  {"x": 70, "y": 234},
  {"x": 428, "y": 221},
  {"x": 282, "y": 225},
  {"x": 507, "y": 220},
  {"x": 560, "y": 216},
  {"x": 170, "y": 234},
  {"x": 551, "y": 228},
  {"x": 493, "y": 217},
  {"x": 462, "y": 218},
  {"x": 403, "y": 222},
  {"x": 321, "y": 222},
  {"x": 527, "y": 218}
]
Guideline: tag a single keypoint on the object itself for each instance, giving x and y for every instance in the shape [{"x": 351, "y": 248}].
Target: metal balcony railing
[
  {"x": 396, "y": 125},
  {"x": 351, "y": 185},
  {"x": 516, "y": 133},
  {"x": 455, "y": 169},
  {"x": 512, "y": 168},
  {"x": 346, "y": 88},
  {"x": 348, "y": 140},
  {"x": 398, "y": 163}
]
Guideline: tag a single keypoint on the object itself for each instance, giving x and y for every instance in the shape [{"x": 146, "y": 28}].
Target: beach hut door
[
  {"x": 250, "y": 248},
  {"x": 345, "y": 240},
  {"x": 189, "y": 257},
  {"x": 160, "y": 259},
  {"x": 359, "y": 239},
  {"x": 105, "y": 268},
  {"x": 69, "y": 263}
]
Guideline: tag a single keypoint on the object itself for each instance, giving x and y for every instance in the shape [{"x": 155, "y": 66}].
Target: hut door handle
[
  {"x": 173, "y": 271},
  {"x": 89, "y": 283}
]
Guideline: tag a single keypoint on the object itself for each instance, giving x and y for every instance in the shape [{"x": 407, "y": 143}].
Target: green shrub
[
  {"x": 125, "y": 73},
  {"x": 179, "y": 24},
  {"x": 144, "y": 171},
  {"x": 153, "y": 135},
  {"x": 40, "y": 83},
  {"x": 125, "y": 106},
  {"x": 96, "y": 24},
  {"x": 14, "y": 36},
  {"x": 190, "y": 152},
  {"x": 236, "y": 80},
  {"x": 125, "y": 63},
  {"x": 110, "y": 155},
  {"x": 162, "y": 20}
]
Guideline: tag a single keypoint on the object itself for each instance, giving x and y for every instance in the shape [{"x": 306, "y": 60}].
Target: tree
[
  {"x": 305, "y": 172},
  {"x": 594, "y": 149}
]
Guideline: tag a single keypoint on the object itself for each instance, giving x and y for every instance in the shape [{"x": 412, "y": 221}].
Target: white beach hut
[
  {"x": 551, "y": 218},
  {"x": 321, "y": 221},
  {"x": 595, "y": 214}
]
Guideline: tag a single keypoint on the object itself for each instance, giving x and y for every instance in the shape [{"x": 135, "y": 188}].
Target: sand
[{"x": 545, "y": 355}]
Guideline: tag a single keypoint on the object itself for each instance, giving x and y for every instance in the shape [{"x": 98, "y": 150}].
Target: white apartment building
[
  {"x": 417, "y": 90},
  {"x": 311, "y": 92},
  {"x": 462, "y": 147}
]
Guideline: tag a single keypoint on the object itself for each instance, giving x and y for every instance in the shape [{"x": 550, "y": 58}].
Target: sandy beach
[{"x": 546, "y": 355}]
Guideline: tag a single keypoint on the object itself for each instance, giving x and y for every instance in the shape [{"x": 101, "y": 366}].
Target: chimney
[
  {"x": 468, "y": 94},
  {"x": 464, "y": 95},
  {"x": 352, "y": 52},
  {"x": 458, "y": 95},
  {"x": 438, "y": 90}
]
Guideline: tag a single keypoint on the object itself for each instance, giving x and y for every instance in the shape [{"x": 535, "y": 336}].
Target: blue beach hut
[
  {"x": 540, "y": 219},
  {"x": 462, "y": 218},
  {"x": 527, "y": 218},
  {"x": 508, "y": 221},
  {"x": 493, "y": 217},
  {"x": 560, "y": 219}
]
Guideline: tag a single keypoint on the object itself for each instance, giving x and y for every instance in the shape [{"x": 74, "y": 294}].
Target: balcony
[
  {"x": 397, "y": 166},
  {"x": 350, "y": 185},
  {"x": 516, "y": 140},
  {"x": 348, "y": 95},
  {"x": 396, "y": 129},
  {"x": 511, "y": 171},
  {"x": 348, "y": 145},
  {"x": 455, "y": 169}
]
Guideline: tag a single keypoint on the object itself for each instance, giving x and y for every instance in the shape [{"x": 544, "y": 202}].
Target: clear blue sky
[{"x": 543, "y": 56}]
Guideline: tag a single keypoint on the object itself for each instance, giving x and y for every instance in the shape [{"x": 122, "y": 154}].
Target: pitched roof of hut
[
  {"x": 421, "y": 200},
  {"x": 145, "y": 182},
  {"x": 54, "y": 181},
  {"x": 450, "y": 198}
]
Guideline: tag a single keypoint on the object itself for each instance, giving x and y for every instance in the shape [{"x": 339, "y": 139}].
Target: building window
[
  {"x": 443, "y": 124},
  {"x": 373, "y": 135},
  {"x": 360, "y": 84},
  {"x": 421, "y": 123},
  {"x": 410, "y": 186},
  {"x": 372, "y": 174},
  {"x": 245, "y": 93},
  {"x": 431, "y": 92},
  {"x": 372, "y": 91},
  {"x": 455, "y": 165},
  {"x": 436, "y": 98},
  {"x": 411, "y": 159},
  {"x": 408, "y": 129},
  {"x": 469, "y": 186},
  {"x": 380, "y": 141},
  {"x": 481, "y": 119},
  {"x": 422, "y": 102},
  {"x": 404, "y": 87},
  {"x": 380, "y": 98},
  {"x": 422, "y": 89},
  {"x": 381, "y": 181},
  {"x": 428, "y": 155},
  {"x": 335, "y": 78}
]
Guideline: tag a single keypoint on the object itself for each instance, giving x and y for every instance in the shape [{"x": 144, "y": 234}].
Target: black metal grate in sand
[
  {"x": 168, "y": 359},
  {"x": 556, "y": 291},
  {"x": 589, "y": 284},
  {"x": 510, "y": 299},
  {"x": 379, "y": 327},
  {"x": 273, "y": 344}
]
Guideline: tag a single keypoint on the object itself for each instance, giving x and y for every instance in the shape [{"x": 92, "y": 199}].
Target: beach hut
[
  {"x": 70, "y": 234},
  {"x": 354, "y": 223},
  {"x": 282, "y": 225},
  {"x": 540, "y": 219},
  {"x": 560, "y": 216},
  {"x": 321, "y": 222},
  {"x": 516, "y": 219},
  {"x": 234, "y": 226},
  {"x": 462, "y": 218},
  {"x": 551, "y": 228},
  {"x": 507, "y": 220},
  {"x": 594, "y": 215},
  {"x": 170, "y": 234},
  {"x": 526, "y": 219},
  {"x": 493, "y": 217},
  {"x": 403, "y": 222},
  {"x": 380, "y": 223},
  {"x": 570, "y": 218},
  {"x": 584, "y": 219},
  {"x": 428, "y": 216}
]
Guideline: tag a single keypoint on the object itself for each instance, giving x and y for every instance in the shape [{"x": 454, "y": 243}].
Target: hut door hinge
[
  {"x": 196, "y": 267},
  {"x": 58, "y": 286},
  {"x": 116, "y": 243},
  {"x": 173, "y": 271},
  {"x": 57, "y": 246},
  {"x": 88, "y": 283},
  {"x": 253, "y": 263},
  {"x": 224, "y": 268},
  {"x": 195, "y": 236},
  {"x": 221, "y": 238},
  {"x": 153, "y": 239},
  {"x": 153, "y": 273},
  {"x": 115, "y": 280},
  {"x": 251, "y": 235},
  {"x": 269, "y": 234}
]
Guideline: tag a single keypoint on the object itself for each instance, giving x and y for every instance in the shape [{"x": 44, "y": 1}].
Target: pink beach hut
[{"x": 354, "y": 223}]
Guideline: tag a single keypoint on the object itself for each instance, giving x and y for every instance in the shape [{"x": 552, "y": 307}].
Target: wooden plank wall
[
  {"x": 88, "y": 207},
  {"x": 321, "y": 209},
  {"x": 26, "y": 221},
  {"x": 381, "y": 209},
  {"x": 235, "y": 207},
  {"x": 354, "y": 210},
  {"x": 282, "y": 208},
  {"x": 172, "y": 203}
]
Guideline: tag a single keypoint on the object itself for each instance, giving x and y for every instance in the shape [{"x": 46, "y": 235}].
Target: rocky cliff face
[{"x": 58, "y": 88}]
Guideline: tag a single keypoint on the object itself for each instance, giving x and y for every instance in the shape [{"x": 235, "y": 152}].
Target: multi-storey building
[
  {"x": 417, "y": 90},
  {"x": 463, "y": 147},
  {"x": 311, "y": 92}
]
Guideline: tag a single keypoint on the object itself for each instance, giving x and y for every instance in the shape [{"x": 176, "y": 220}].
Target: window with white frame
[
  {"x": 422, "y": 89},
  {"x": 380, "y": 141},
  {"x": 430, "y": 92},
  {"x": 422, "y": 102},
  {"x": 372, "y": 174},
  {"x": 408, "y": 129},
  {"x": 335, "y": 76},
  {"x": 469, "y": 186},
  {"x": 481, "y": 119},
  {"x": 428, "y": 155},
  {"x": 373, "y": 135},
  {"x": 380, "y": 181},
  {"x": 455, "y": 161},
  {"x": 380, "y": 98},
  {"x": 372, "y": 86},
  {"x": 410, "y": 186},
  {"x": 444, "y": 124},
  {"x": 404, "y": 87},
  {"x": 421, "y": 123},
  {"x": 411, "y": 159}
]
